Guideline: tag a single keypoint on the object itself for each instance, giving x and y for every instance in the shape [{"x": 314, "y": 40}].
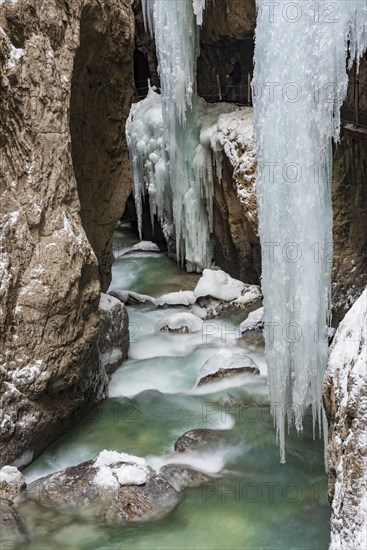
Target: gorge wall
[{"x": 65, "y": 89}]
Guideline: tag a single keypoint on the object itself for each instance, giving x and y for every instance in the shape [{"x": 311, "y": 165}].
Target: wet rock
[
  {"x": 182, "y": 476},
  {"x": 114, "y": 487},
  {"x": 113, "y": 342},
  {"x": 198, "y": 438}
]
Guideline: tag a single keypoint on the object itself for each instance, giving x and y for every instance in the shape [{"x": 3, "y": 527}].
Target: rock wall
[
  {"x": 345, "y": 402},
  {"x": 50, "y": 373},
  {"x": 101, "y": 95}
]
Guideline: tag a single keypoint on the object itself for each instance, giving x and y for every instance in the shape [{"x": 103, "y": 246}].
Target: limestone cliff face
[
  {"x": 49, "y": 275},
  {"x": 345, "y": 402}
]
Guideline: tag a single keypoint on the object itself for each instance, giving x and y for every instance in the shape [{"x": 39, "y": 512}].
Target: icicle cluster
[
  {"x": 300, "y": 82},
  {"x": 181, "y": 195}
]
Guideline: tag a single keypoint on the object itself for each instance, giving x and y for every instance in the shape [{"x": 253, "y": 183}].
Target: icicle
[
  {"x": 300, "y": 82},
  {"x": 190, "y": 190}
]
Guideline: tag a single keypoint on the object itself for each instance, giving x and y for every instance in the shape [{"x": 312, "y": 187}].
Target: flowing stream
[{"x": 255, "y": 503}]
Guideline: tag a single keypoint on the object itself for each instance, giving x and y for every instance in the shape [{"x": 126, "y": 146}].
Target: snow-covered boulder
[
  {"x": 254, "y": 321},
  {"x": 130, "y": 298},
  {"x": 12, "y": 482},
  {"x": 113, "y": 487},
  {"x": 179, "y": 322},
  {"x": 180, "y": 298},
  {"x": 345, "y": 403},
  {"x": 143, "y": 246},
  {"x": 218, "y": 284},
  {"x": 226, "y": 363},
  {"x": 113, "y": 341}
]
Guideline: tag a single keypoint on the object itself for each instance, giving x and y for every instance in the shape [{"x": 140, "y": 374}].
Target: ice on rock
[
  {"x": 119, "y": 468},
  {"x": 180, "y": 298},
  {"x": 218, "y": 284},
  {"x": 300, "y": 81},
  {"x": 255, "y": 320},
  {"x": 179, "y": 322}
]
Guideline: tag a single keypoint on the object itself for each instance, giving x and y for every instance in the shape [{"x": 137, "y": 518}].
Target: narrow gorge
[{"x": 183, "y": 273}]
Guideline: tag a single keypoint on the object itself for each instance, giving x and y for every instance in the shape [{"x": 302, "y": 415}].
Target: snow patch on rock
[
  {"x": 218, "y": 284},
  {"x": 345, "y": 399},
  {"x": 119, "y": 468}
]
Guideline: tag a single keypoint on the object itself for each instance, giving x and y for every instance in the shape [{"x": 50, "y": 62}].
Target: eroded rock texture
[
  {"x": 49, "y": 278},
  {"x": 345, "y": 402}
]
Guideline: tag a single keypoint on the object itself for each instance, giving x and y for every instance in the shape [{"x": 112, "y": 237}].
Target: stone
[
  {"x": 196, "y": 439},
  {"x": 78, "y": 488},
  {"x": 62, "y": 186},
  {"x": 182, "y": 476},
  {"x": 12, "y": 483},
  {"x": 113, "y": 341},
  {"x": 345, "y": 404}
]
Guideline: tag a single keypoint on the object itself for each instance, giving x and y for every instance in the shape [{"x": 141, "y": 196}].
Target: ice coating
[
  {"x": 181, "y": 195},
  {"x": 300, "y": 81}
]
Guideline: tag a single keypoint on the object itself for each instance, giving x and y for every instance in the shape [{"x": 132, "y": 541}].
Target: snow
[
  {"x": 144, "y": 246},
  {"x": 218, "y": 284},
  {"x": 15, "y": 55},
  {"x": 183, "y": 297},
  {"x": 114, "y": 467},
  {"x": 254, "y": 320},
  {"x": 177, "y": 321},
  {"x": 108, "y": 302},
  {"x": 300, "y": 81},
  {"x": 249, "y": 294},
  {"x": 110, "y": 357},
  {"x": 128, "y": 295},
  {"x": 347, "y": 373},
  {"x": 225, "y": 359},
  {"x": 10, "y": 474}
]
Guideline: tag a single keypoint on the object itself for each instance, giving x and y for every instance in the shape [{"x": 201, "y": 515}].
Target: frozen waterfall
[
  {"x": 163, "y": 157},
  {"x": 299, "y": 84}
]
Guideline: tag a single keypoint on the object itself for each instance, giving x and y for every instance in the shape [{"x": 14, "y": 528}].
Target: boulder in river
[
  {"x": 113, "y": 341},
  {"x": 224, "y": 364},
  {"x": 182, "y": 323},
  {"x": 198, "y": 438},
  {"x": 114, "y": 487},
  {"x": 182, "y": 476}
]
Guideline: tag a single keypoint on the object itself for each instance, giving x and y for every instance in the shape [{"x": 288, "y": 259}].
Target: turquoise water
[{"x": 256, "y": 503}]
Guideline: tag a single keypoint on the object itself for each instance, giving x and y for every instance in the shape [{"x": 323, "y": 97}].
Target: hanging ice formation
[
  {"x": 163, "y": 134},
  {"x": 299, "y": 84}
]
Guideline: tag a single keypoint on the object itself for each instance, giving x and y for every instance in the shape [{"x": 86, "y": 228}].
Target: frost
[
  {"x": 300, "y": 82},
  {"x": 218, "y": 284}
]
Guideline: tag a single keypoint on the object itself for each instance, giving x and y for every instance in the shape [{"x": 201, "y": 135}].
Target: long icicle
[{"x": 300, "y": 82}]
